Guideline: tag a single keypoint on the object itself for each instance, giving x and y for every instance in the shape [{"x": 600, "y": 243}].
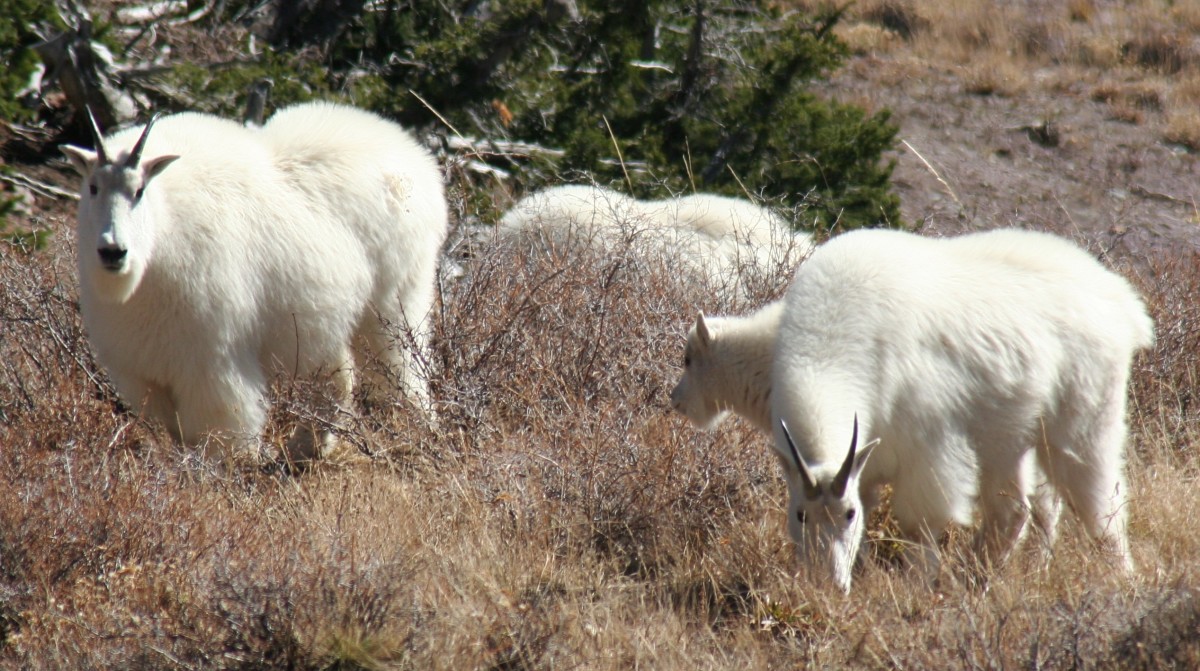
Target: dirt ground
[{"x": 1057, "y": 162}]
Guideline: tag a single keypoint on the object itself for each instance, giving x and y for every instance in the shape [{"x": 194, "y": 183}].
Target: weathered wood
[{"x": 84, "y": 70}]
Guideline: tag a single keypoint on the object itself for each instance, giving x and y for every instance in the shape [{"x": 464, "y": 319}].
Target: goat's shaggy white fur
[
  {"x": 720, "y": 240},
  {"x": 727, "y": 368},
  {"x": 961, "y": 356},
  {"x": 226, "y": 256}
]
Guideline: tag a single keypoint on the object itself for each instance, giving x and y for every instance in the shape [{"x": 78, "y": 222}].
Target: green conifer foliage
[
  {"x": 711, "y": 95},
  {"x": 19, "y": 20}
]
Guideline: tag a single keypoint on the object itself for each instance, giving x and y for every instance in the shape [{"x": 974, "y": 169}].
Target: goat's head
[
  {"x": 115, "y": 231},
  {"x": 825, "y": 515},
  {"x": 693, "y": 396}
]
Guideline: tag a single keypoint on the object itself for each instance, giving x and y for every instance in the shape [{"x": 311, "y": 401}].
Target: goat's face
[
  {"x": 694, "y": 395},
  {"x": 115, "y": 231},
  {"x": 825, "y": 511}
]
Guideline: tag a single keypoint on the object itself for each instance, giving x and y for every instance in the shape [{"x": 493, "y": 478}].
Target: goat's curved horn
[
  {"x": 843, "y": 475},
  {"x": 136, "y": 154},
  {"x": 810, "y": 487},
  {"x": 97, "y": 137}
]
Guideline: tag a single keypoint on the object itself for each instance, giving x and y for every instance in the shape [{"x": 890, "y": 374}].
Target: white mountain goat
[
  {"x": 213, "y": 257},
  {"x": 727, "y": 365},
  {"x": 718, "y": 239},
  {"x": 959, "y": 356}
]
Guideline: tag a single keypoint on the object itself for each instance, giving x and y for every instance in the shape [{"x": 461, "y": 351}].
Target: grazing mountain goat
[
  {"x": 959, "y": 356},
  {"x": 727, "y": 368},
  {"x": 213, "y": 257},
  {"x": 718, "y": 239}
]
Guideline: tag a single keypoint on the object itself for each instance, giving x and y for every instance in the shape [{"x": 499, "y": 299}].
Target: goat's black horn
[
  {"x": 136, "y": 154},
  {"x": 810, "y": 488},
  {"x": 843, "y": 475},
  {"x": 97, "y": 137}
]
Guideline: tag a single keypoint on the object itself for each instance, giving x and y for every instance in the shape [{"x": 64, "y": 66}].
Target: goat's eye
[
  {"x": 687, "y": 361},
  {"x": 138, "y": 195},
  {"x": 92, "y": 189},
  {"x": 850, "y": 514},
  {"x": 800, "y": 516}
]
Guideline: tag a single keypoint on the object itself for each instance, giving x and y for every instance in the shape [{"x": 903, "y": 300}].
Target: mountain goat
[
  {"x": 717, "y": 239},
  {"x": 959, "y": 357},
  {"x": 727, "y": 365},
  {"x": 213, "y": 258}
]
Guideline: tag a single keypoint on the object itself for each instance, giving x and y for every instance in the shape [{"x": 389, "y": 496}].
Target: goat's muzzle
[{"x": 112, "y": 258}]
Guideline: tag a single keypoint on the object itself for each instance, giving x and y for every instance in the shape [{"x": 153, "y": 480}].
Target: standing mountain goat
[
  {"x": 959, "y": 356},
  {"x": 213, "y": 257},
  {"x": 717, "y": 239},
  {"x": 727, "y": 368}
]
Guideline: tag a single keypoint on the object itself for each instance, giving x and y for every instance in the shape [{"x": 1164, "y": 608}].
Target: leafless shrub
[
  {"x": 1162, "y": 636},
  {"x": 1165, "y": 383},
  {"x": 895, "y": 15},
  {"x": 1166, "y": 53}
]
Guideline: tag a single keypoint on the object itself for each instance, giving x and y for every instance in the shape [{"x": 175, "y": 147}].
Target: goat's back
[{"x": 919, "y": 336}]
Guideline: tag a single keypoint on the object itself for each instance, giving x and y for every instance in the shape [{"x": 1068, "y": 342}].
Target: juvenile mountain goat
[
  {"x": 959, "y": 356},
  {"x": 213, "y": 257},
  {"x": 727, "y": 368},
  {"x": 717, "y": 239}
]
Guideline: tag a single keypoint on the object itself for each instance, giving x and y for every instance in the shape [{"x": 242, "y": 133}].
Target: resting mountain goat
[
  {"x": 960, "y": 356},
  {"x": 718, "y": 239},
  {"x": 213, "y": 257}
]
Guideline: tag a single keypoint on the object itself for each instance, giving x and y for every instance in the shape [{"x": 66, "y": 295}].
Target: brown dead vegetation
[{"x": 557, "y": 515}]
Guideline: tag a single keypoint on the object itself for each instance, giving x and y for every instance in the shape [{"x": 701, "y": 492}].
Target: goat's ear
[
  {"x": 812, "y": 491},
  {"x": 83, "y": 160},
  {"x": 702, "y": 335},
  {"x": 860, "y": 460},
  {"x": 153, "y": 166}
]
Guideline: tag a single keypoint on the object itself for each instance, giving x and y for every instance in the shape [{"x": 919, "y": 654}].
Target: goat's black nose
[{"x": 112, "y": 257}]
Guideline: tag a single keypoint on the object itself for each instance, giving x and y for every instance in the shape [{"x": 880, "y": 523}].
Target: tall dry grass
[{"x": 558, "y": 515}]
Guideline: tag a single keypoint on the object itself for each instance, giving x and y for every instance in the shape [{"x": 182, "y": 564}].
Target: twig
[
  {"x": 1142, "y": 191},
  {"x": 687, "y": 164},
  {"x": 617, "y": 147},
  {"x": 749, "y": 196},
  {"x": 962, "y": 211},
  {"x": 436, "y": 113},
  {"x": 40, "y": 188},
  {"x": 501, "y": 147}
]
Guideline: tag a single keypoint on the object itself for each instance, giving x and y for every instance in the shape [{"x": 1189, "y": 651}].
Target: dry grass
[
  {"x": 1141, "y": 57},
  {"x": 558, "y": 516}
]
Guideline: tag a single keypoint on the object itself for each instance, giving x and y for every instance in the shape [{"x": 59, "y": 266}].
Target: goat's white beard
[
  {"x": 842, "y": 556},
  {"x": 709, "y": 422},
  {"x": 113, "y": 287}
]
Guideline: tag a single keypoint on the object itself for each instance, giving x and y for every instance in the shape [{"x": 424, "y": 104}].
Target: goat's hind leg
[
  {"x": 1094, "y": 483},
  {"x": 1003, "y": 507},
  {"x": 391, "y": 339},
  {"x": 1004, "y": 483},
  {"x": 334, "y": 397},
  {"x": 1045, "y": 504}
]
